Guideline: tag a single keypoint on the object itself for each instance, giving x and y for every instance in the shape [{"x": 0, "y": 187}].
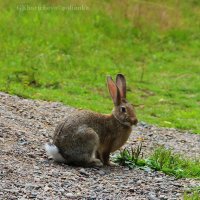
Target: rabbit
[{"x": 87, "y": 138}]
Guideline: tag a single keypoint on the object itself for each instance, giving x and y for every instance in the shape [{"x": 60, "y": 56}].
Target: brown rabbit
[{"x": 87, "y": 138}]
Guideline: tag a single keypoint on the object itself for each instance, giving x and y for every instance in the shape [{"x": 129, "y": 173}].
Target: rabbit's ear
[
  {"x": 114, "y": 91},
  {"x": 121, "y": 84}
]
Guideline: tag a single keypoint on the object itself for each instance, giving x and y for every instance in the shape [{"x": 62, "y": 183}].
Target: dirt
[{"x": 27, "y": 173}]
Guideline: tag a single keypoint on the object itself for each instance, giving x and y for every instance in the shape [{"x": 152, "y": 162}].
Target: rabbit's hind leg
[
  {"x": 87, "y": 144},
  {"x": 95, "y": 161}
]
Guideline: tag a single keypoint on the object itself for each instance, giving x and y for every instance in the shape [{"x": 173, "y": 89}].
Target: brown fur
[{"x": 87, "y": 138}]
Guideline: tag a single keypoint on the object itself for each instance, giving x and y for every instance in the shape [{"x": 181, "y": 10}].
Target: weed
[
  {"x": 130, "y": 158},
  {"x": 162, "y": 159},
  {"x": 170, "y": 163}
]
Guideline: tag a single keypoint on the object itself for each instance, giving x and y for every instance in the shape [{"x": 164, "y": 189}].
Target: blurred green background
[{"x": 62, "y": 51}]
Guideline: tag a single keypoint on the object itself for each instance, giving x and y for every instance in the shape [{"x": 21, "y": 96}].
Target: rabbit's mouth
[
  {"x": 127, "y": 121},
  {"x": 133, "y": 121},
  {"x": 127, "y": 124}
]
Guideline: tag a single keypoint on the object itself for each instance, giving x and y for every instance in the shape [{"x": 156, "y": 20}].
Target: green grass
[
  {"x": 65, "y": 56},
  {"x": 192, "y": 194},
  {"x": 173, "y": 164},
  {"x": 131, "y": 158},
  {"x": 162, "y": 159}
]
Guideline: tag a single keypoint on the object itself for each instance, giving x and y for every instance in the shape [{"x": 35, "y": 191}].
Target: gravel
[{"x": 27, "y": 173}]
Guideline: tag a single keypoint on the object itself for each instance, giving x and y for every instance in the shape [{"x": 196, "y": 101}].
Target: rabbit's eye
[{"x": 123, "y": 109}]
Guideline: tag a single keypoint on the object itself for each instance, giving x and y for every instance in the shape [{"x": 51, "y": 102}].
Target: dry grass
[{"x": 147, "y": 15}]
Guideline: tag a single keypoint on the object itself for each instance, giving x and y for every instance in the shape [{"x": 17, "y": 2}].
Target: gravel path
[{"x": 26, "y": 173}]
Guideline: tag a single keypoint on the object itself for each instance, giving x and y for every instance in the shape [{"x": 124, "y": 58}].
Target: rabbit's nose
[{"x": 134, "y": 120}]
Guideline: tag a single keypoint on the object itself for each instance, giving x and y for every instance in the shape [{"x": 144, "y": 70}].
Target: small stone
[
  {"x": 131, "y": 190},
  {"x": 46, "y": 188},
  {"x": 23, "y": 141},
  {"x": 177, "y": 184},
  {"x": 147, "y": 169},
  {"x": 33, "y": 195},
  {"x": 61, "y": 190},
  {"x": 152, "y": 196},
  {"x": 69, "y": 195},
  {"x": 92, "y": 197},
  {"x": 101, "y": 172},
  {"x": 36, "y": 179},
  {"x": 163, "y": 197},
  {"x": 139, "y": 182},
  {"x": 83, "y": 172},
  {"x": 130, "y": 198},
  {"x": 31, "y": 155},
  {"x": 158, "y": 179}
]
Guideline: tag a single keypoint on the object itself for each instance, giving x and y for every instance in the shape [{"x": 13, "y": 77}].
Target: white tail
[{"x": 53, "y": 152}]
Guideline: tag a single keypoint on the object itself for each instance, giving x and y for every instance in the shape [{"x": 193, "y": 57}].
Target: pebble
[
  {"x": 139, "y": 182},
  {"x": 82, "y": 171},
  {"x": 33, "y": 195},
  {"x": 101, "y": 172},
  {"x": 69, "y": 195},
  {"x": 152, "y": 196},
  {"x": 158, "y": 179},
  {"x": 61, "y": 190},
  {"x": 163, "y": 197},
  {"x": 132, "y": 190},
  {"x": 22, "y": 141}
]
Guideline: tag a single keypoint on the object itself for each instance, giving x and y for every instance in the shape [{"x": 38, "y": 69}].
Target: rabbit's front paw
[
  {"x": 111, "y": 164},
  {"x": 96, "y": 162}
]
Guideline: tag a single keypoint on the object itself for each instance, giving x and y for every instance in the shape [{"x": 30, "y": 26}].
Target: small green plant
[
  {"x": 131, "y": 158},
  {"x": 170, "y": 163},
  {"x": 162, "y": 159}
]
